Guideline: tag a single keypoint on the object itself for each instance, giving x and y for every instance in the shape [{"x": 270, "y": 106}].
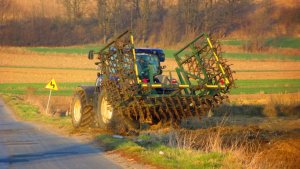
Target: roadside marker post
[{"x": 52, "y": 86}]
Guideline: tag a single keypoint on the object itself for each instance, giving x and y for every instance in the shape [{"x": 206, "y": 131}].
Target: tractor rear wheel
[
  {"x": 81, "y": 112},
  {"x": 109, "y": 118},
  {"x": 105, "y": 112}
]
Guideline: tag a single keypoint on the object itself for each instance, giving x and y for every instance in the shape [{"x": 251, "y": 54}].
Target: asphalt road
[{"x": 23, "y": 146}]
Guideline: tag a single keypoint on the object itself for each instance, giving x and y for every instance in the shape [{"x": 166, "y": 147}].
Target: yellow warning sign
[{"x": 52, "y": 85}]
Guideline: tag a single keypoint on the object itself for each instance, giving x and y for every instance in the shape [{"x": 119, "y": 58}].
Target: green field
[
  {"x": 168, "y": 52},
  {"x": 248, "y": 56},
  {"x": 260, "y": 56},
  {"x": 242, "y": 87},
  {"x": 266, "y": 86},
  {"x": 83, "y": 50},
  {"x": 234, "y": 42},
  {"x": 282, "y": 42},
  {"x": 279, "y": 42}
]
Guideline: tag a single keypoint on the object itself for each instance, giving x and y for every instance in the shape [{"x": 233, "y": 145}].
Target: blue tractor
[{"x": 134, "y": 88}]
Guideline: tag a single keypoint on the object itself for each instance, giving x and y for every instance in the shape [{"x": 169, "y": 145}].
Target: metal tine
[
  {"x": 167, "y": 107},
  {"x": 165, "y": 118},
  {"x": 142, "y": 117},
  {"x": 148, "y": 114},
  {"x": 180, "y": 106},
  {"x": 174, "y": 107},
  {"x": 188, "y": 107},
  {"x": 194, "y": 105},
  {"x": 135, "y": 112},
  {"x": 155, "y": 113}
]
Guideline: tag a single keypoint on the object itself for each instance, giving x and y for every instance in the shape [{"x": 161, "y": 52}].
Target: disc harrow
[{"x": 204, "y": 78}]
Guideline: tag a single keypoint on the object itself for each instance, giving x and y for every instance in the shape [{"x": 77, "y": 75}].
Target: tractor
[{"x": 136, "y": 90}]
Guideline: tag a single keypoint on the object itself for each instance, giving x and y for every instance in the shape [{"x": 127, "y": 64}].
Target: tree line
[{"x": 156, "y": 22}]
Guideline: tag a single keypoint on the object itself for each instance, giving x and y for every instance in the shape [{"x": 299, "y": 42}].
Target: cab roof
[{"x": 154, "y": 51}]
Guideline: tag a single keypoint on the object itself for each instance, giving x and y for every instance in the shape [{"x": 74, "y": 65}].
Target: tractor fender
[{"x": 88, "y": 92}]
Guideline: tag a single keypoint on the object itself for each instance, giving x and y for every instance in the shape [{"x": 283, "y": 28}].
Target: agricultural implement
[{"x": 135, "y": 89}]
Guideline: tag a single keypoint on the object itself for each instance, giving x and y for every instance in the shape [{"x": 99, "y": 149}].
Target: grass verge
[
  {"x": 160, "y": 155},
  {"x": 28, "y": 112}
]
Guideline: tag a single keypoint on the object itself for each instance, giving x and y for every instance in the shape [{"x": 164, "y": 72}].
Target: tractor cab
[{"x": 148, "y": 63}]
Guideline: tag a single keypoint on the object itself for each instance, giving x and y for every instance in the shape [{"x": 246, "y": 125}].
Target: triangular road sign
[{"x": 51, "y": 85}]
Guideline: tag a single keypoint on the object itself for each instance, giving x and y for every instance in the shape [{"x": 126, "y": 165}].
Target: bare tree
[
  {"x": 259, "y": 26},
  {"x": 5, "y": 6},
  {"x": 103, "y": 17},
  {"x": 75, "y": 9},
  {"x": 145, "y": 10}
]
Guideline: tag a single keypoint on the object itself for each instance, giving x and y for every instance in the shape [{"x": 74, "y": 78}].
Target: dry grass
[
  {"x": 284, "y": 154},
  {"x": 246, "y": 147},
  {"x": 58, "y": 105},
  {"x": 255, "y": 143},
  {"x": 283, "y": 105},
  {"x": 263, "y": 99}
]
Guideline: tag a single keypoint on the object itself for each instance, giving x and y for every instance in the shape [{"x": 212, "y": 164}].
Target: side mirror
[
  {"x": 162, "y": 57},
  {"x": 91, "y": 55}
]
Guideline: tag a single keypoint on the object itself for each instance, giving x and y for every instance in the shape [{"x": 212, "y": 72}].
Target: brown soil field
[
  {"x": 259, "y": 75},
  {"x": 266, "y": 75},
  {"x": 32, "y": 75},
  {"x": 36, "y": 75},
  {"x": 264, "y": 65},
  {"x": 250, "y": 65},
  {"x": 12, "y": 58},
  {"x": 273, "y": 69},
  {"x": 21, "y": 57}
]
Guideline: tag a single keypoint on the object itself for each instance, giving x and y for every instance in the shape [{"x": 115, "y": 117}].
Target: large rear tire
[
  {"x": 81, "y": 112},
  {"x": 105, "y": 112}
]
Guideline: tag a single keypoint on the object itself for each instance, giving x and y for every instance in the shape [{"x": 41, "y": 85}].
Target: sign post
[{"x": 52, "y": 86}]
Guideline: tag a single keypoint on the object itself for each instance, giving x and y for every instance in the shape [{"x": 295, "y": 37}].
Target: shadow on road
[{"x": 66, "y": 152}]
